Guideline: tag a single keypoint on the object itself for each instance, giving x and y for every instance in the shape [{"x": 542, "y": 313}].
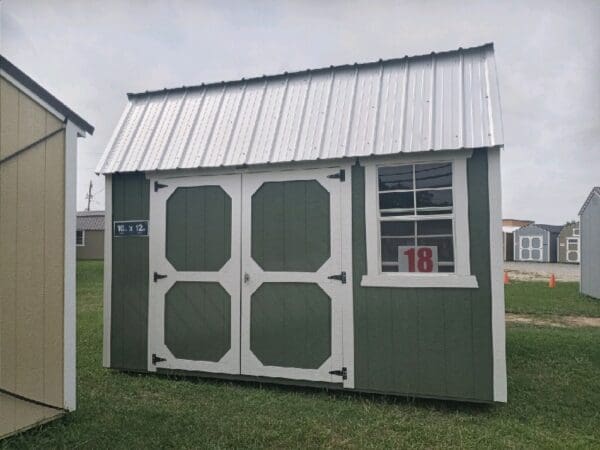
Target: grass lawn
[
  {"x": 554, "y": 398},
  {"x": 535, "y": 297}
]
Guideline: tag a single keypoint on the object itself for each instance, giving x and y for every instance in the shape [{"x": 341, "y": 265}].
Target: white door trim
[
  {"x": 570, "y": 240},
  {"x": 530, "y": 247},
  {"x": 340, "y": 294},
  {"x": 228, "y": 276}
]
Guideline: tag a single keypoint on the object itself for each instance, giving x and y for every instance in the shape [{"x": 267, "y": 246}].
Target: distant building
[
  {"x": 508, "y": 227},
  {"x": 536, "y": 242},
  {"x": 568, "y": 243},
  {"x": 589, "y": 217},
  {"x": 90, "y": 235}
]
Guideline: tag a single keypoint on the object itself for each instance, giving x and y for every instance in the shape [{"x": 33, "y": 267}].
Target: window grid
[{"x": 445, "y": 213}]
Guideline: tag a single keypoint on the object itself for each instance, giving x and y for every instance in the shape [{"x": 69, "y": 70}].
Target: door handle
[{"x": 246, "y": 277}]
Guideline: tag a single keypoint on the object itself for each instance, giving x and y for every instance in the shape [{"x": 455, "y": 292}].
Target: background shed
[
  {"x": 38, "y": 139},
  {"x": 90, "y": 235},
  {"x": 568, "y": 243},
  {"x": 508, "y": 242},
  {"x": 536, "y": 243},
  {"x": 589, "y": 219}
]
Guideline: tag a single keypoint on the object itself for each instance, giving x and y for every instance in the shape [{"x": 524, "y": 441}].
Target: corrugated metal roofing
[
  {"x": 439, "y": 101},
  {"x": 90, "y": 220}
]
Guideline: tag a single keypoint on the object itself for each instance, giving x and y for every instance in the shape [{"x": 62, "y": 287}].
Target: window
[
  {"x": 80, "y": 239},
  {"x": 575, "y": 231},
  {"x": 417, "y": 224},
  {"x": 416, "y": 219}
]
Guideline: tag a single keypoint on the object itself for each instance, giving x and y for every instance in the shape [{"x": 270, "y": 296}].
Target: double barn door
[{"x": 250, "y": 274}]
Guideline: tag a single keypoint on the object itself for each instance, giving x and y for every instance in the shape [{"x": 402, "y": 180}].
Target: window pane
[
  {"x": 427, "y": 199},
  {"x": 444, "y": 246},
  {"x": 446, "y": 269},
  {"x": 536, "y": 242},
  {"x": 525, "y": 242},
  {"x": 433, "y": 175},
  {"x": 392, "y": 268},
  {"x": 389, "y": 248},
  {"x": 396, "y": 200},
  {"x": 397, "y": 228},
  {"x": 429, "y": 227},
  {"x": 397, "y": 177}
]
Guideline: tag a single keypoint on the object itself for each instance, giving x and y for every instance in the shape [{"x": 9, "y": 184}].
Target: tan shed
[{"x": 38, "y": 162}]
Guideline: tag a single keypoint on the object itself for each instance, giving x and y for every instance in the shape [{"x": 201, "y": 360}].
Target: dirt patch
[
  {"x": 530, "y": 271},
  {"x": 554, "y": 321}
]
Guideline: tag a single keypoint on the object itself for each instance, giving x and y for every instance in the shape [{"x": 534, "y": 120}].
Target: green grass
[
  {"x": 534, "y": 297},
  {"x": 554, "y": 393}
]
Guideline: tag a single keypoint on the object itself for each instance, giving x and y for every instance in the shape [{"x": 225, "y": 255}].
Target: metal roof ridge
[{"x": 132, "y": 95}]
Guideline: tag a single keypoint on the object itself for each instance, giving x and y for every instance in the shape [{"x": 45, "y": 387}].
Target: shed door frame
[
  {"x": 568, "y": 241},
  {"x": 340, "y": 260},
  {"x": 228, "y": 276},
  {"x": 530, "y": 247}
]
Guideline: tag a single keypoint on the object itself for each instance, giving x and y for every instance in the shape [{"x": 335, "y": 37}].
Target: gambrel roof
[{"x": 440, "y": 101}]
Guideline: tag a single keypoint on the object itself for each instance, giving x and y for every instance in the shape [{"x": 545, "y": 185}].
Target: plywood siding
[
  {"x": 32, "y": 259},
  {"x": 426, "y": 342},
  {"x": 129, "y": 297}
]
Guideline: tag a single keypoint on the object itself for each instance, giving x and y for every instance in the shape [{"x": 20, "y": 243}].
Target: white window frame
[
  {"x": 82, "y": 238},
  {"x": 461, "y": 277},
  {"x": 576, "y": 231}
]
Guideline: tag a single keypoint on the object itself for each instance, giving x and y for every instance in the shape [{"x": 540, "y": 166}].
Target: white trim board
[
  {"x": 107, "y": 270},
  {"x": 496, "y": 273},
  {"x": 70, "y": 398}
]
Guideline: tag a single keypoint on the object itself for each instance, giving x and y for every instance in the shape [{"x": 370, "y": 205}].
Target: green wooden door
[
  {"x": 194, "y": 309},
  {"x": 291, "y": 247}
]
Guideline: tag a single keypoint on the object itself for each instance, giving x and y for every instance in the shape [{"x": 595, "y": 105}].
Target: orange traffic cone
[
  {"x": 552, "y": 283},
  {"x": 506, "y": 279}
]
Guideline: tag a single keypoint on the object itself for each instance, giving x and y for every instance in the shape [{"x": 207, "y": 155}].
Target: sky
[{"x": 90, "y": 53}]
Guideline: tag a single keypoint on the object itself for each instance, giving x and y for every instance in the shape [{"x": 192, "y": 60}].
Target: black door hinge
[
  {"x": 158, "y": 186},
  {"x": 341, "y": 277},
  {"x": 340, "y": 373},
  {"x": 341, "y": 175},
  {"x": 158, "y": 276},
  {"x": 157, "y": 359}
]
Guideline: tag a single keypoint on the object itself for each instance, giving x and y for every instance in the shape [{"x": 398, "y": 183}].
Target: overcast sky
[{"x": 91, "y": 53}]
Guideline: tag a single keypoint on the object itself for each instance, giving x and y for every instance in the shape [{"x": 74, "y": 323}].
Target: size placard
[
  {"x": 130, "y": 228},
  {"x": 417, "y": 259}
]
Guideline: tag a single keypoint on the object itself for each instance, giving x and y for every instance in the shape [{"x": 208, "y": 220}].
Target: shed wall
[
  {"x": 32, "y": 246},
  {"x": 590, "y": 249},
  {"x": 561, "y": 249},
  {"x": 94, "y": 245},
  {"x": 426, "y": 342},
  {"x": 129, "y": 299}
]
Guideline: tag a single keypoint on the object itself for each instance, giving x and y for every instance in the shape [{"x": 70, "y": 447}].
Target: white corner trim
[
  {"x": 107, "y": 270},
  {"x": 496, "y": 272},
  {"x": 399, "y": 280},
  {"x": 70, "y": 265}
]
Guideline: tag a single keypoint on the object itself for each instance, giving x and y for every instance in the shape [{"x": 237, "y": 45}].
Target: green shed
[{"x": 337, "y": 227}]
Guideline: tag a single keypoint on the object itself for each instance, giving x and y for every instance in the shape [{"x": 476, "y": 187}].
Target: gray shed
[
  {"x": 536, "y": 242},
  {"x": 589, "y": 219},
  {"x": 337, "y": 227},
  {"x": 568, "y": 244}
]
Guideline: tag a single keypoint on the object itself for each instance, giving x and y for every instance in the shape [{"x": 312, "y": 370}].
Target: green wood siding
[
  {"x": 290, "y": 325},
  {"x": 291, "y": 226},
  {"x": 129, "y": 298},
  {"x": 199, "y": 228},
  {"x": 426, "y": 341},
  {"x": 198, "y": 321}
]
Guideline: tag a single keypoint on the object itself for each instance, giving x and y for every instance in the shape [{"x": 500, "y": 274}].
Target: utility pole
[{"x": 89, "y": 196}]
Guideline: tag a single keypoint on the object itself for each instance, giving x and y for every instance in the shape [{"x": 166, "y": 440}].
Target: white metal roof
[{"x": 440, "y": 101}]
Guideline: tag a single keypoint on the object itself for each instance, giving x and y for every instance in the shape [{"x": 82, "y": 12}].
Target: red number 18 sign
[{"x": 417, "y": 259}]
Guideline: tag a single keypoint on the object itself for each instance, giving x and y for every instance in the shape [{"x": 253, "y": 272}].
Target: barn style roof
[
  {"x": 90, "y": 220},
  {"x": 440, "y": 101},
  {"x": 595, "y": 191},
  {"x": 17, "y": 74}
]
